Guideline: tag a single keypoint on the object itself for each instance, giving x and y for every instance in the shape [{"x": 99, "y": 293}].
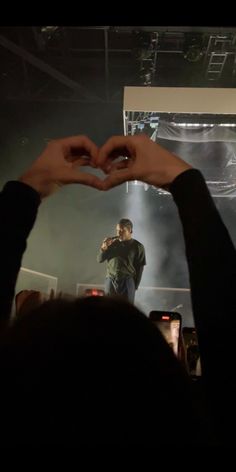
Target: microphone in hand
[{"x": 108, "y": 241}]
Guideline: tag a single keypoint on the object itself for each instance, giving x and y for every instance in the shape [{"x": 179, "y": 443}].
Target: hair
[
  {"x": 127, "y": 223},
  {"x": 95, "y": 371}
]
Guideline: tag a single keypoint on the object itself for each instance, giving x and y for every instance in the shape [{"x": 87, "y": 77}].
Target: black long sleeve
[
  {"x": 18, "y": 209},
  {"x": 211, "y": 260}
]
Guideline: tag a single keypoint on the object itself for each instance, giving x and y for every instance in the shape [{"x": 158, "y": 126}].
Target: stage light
[{"x": 94, "y": 292}]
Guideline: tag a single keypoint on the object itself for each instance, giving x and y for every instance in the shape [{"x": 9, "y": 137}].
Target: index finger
[
  {"x": 80, "y": 142},
  {"x": 115, "y": 146},
  {"x": 117, "y": 178}
]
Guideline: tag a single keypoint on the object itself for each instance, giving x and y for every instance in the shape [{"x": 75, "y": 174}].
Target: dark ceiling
[{"x": 94, "y": 63}]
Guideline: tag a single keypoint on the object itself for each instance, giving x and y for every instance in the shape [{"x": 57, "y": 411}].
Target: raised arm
[
  {"x": 106, "y": 249},
  {"x": 59, "y": 164}
]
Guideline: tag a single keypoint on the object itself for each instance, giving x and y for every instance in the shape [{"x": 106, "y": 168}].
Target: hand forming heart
[{"x": 142, "y": 159}]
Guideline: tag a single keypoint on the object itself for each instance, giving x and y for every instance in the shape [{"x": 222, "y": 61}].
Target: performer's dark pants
[{"x": 123, "y": 286}]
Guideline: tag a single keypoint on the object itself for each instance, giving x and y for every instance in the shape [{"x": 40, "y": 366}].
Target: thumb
[{"x": 117, "y": 178}]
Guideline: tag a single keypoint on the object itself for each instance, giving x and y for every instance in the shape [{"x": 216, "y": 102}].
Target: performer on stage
[{"x": 125, "y": 258}]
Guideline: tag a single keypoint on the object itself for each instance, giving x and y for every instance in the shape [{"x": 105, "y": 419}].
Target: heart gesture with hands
[
  {"x": 142, "y": 160},
  {"x": 139, "y": 159}
]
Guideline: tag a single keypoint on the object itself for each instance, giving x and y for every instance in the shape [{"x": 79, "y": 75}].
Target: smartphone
[
  {"x": 169, "y": 323},
  {"x": 192, "y": 351}
]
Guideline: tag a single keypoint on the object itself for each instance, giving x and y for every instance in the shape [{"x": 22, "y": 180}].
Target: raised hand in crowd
[
  {"x": 59, "y": 164},
  {"x": 142, "y": 160}
]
